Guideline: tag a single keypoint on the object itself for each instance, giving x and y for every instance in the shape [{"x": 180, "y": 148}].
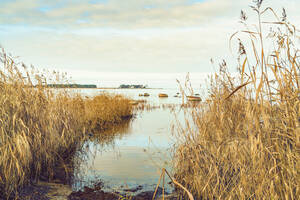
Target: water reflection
[
  {"x": 108, "y": 136},
  {"x": 128, "y": 155}
]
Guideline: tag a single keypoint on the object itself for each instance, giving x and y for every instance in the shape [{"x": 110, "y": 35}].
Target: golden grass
[
  {"x": 244, "y": 141},
  {"x": 102, "y": 111},
  {"x": 41, "y": 128}
]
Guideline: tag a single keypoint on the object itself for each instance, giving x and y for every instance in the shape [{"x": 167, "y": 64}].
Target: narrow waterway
[{"x": 131, "y": 156}]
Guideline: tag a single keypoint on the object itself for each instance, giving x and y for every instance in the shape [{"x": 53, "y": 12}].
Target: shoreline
[
  {"x": 115, "y": 88},
  {"x": 51, "y": 190}
]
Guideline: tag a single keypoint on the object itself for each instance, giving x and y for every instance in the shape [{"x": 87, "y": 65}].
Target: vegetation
[
  {"x": 133, "y": 86},
  {"x": 41, "y": 128},
  {"x": 103, "y": 111},
  {"x": 243, "y": 142},
  {"x": 71, "y": 86}
]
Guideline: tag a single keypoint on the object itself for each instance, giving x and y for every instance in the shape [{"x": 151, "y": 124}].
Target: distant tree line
[
  {"x": 71, "y": 86},
  {"x": 132, "y": 86}
]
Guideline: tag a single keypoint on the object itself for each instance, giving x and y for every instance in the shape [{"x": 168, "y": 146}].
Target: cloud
[
  {"x": 138, "y": 51},
  {"x": 129, "y": 14},
  {"x": 149, "y": 36},
  {"x": 113, "y": 13}
]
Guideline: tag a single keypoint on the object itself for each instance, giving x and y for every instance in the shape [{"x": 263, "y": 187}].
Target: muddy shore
[{"x": 58, "y": 191}]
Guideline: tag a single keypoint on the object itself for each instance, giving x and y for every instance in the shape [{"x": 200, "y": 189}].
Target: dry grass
[
  {"x": 41, "y": 128},
  {"x": 105, "y": 110},
  {"x": 246, "y": 136}
]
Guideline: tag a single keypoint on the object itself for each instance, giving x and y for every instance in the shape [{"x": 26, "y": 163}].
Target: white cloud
[
  {"x": 126, "y": 36},
  {"x": 127, "y": 14},
  {"x": 115, "y": 13}
]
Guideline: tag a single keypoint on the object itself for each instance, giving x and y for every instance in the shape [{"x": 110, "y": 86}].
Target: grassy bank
[
  {"x": 41, "y": 128},
  {"x": 246, "y": 136}
]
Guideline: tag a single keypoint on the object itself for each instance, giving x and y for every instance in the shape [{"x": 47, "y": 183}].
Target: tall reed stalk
[
  {"x": 41, "y": 127},
  {"x": 246, "y": 140}
]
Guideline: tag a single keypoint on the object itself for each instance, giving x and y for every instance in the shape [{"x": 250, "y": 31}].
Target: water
[
  {"x": 153, "y": 98},
  {"x": 133, "y": 154},
  {"x": 134, "y": 94}
]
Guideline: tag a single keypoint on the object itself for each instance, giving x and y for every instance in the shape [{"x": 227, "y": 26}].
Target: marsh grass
[
  {"x": 105, "y": 110},
  {"x": 246, "y": 140},
  {"x": 41, "y": 128}
]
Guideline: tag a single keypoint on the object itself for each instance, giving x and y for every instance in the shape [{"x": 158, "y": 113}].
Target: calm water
[
  {"x": 134, "y": 153},
  {"x": 134, "y": 94}
]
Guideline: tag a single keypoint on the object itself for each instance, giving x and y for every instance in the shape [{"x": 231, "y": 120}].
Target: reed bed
[
  {"x": 150, "y": 107},
  {"x": 164, "y": 106},
  {"x": 243, "y": 142},
  {"x": 104, "y": 111},
  {"x": 41, "y": 128}
]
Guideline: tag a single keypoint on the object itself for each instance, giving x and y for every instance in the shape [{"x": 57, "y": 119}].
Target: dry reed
[
  {"x": 41, "y": 128},
  {"x": 246, "y": 139}
]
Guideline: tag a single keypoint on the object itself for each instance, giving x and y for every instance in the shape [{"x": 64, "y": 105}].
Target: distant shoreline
[
  {"x": 107, "y": 88},
  {"x": 114, "y": 88},
  {"x": 125, "y": 88}
]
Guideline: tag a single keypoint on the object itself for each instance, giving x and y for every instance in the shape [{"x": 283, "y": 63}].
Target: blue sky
[{"x": 108, "y": 38}]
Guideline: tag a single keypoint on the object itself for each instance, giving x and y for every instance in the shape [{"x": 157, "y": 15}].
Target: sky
[{"x": 109, "y": 42}]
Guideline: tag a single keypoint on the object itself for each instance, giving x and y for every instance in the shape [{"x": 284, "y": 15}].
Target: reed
[
  {"x": 41, "y": 127},
  {"x": 243, "y": 141},
  {"x": 105, "y": 110}
]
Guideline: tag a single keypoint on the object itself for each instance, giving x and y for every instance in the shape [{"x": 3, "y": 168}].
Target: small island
[
  {"x": 72, "y": 86},
  {"x": 133, "y": 86}
]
